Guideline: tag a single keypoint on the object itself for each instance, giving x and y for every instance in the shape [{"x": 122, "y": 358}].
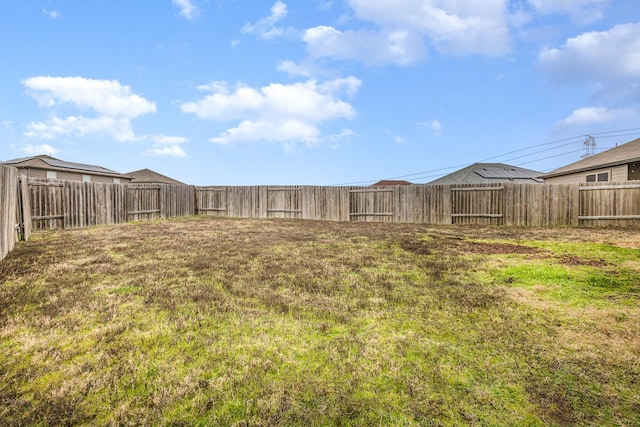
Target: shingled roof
[
  {"x": 51, "y": 163},
  {"x": 147, "y": 176},
  {"x": 480, "y": 173},
  {"x": 390, "y": 183},
  {"x": 620, "y": 155}
]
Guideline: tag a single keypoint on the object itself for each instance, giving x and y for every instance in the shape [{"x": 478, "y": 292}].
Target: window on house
[
  {"x": 600, "y": 177},
  {"x": 52, "y": 175},
  {"x": 116, "y": 180},
  {"x": 634, "y": 171},
  {"x": 86, "y": 178}
]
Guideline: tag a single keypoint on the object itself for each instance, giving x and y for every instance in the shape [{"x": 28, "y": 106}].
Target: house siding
[
  {"x": 70, "y": 176},
  {"x": 616, "y": 174}
]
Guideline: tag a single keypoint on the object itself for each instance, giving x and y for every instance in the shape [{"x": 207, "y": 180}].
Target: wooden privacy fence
[
  {"x": 15, "y": 220},
  {"x": 70, "y": 204},
  {"x": 73, "y": 204}
]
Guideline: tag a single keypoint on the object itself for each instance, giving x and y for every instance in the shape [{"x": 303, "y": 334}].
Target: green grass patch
[{"x": 260, "y": 322}]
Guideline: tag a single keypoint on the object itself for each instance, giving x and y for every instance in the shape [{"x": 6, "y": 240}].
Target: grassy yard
[{"x": 275, "y": 322}]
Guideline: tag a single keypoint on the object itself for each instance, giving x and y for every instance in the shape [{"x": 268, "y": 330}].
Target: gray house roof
[
  {"x": 482, "y": 173},
  {"x": 390, "y": 183},
  {"x": 620, "y": 155},
  {"x": 48, "y": 162},
  {"x": 147, "y": 176}
]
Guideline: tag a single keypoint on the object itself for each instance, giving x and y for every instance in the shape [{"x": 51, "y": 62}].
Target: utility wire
[{"x": 572, "y": 140}]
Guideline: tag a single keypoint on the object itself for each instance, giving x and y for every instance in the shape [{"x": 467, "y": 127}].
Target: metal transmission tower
[{"x": 589, "y": 146}]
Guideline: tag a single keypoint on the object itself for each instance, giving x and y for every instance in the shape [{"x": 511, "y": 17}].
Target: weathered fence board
[
  {"x": 211, "y": 201},
  {"x": 284, "y": 202},
  {"x": 47, "y": 209},
  {"x": 373, "y": 204},
  {"x": 87, "y": 204},
  {"x": 600, "y": 205},
  {"x": 8, "y": 192},
  {"x": 24, "y": 209},
  {"x": 478, "y": 204},
  {"x": 325, "y": 203}
]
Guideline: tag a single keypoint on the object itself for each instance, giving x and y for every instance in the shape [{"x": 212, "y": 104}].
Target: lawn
[{"x": 213, "y": 321}]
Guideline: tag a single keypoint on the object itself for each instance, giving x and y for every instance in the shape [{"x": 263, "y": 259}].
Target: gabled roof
[
  {"x": 481, "y": 173},
  {"x": 51, "y": 163},
  {"x": 620, "y": 155},
  {"x": 390, "y": 183},
  {"x": 147, "y": 176}
]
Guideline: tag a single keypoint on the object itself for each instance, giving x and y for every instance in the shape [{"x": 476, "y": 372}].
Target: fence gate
[
  {"x": 284, "y": 202},
  {"x": 143, "y": 202},
  {"x": 477, "y": 204},
  {"x": 610, "y": 204},
  {"x": 212, "y": 201},
  {"x": 372, "y": 204}
]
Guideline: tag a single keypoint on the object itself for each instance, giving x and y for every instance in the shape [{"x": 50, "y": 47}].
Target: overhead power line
[{"x": 553, "y": 145}]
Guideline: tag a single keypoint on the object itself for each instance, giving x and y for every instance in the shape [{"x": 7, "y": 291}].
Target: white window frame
[{"x": 52, "y": 175}]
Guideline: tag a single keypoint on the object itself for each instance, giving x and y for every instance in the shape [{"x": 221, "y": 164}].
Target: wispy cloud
[
  {"x": 33, "y": 150},
  {"x": 434, "y": 125},
  {"x": 188, "y": 9},
  {"x": 53, "y": 14},
  {"x": 167, "y": 146},
  {"x": 266, "y": 28}
]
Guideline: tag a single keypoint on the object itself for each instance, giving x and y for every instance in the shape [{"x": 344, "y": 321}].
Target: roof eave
[{"x": 589, "y": 168}]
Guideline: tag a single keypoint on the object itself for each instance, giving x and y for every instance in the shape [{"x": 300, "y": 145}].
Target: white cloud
[
  {"x": 167, "y": 146},
  {"x": 286, "y": 132},
  {"x": 434, "y": 125},
  {"x": 53, "y": 14},
  {"x": 369, "y": 47},
  {"x": 188, "y": 9},
  {"x": 106, "y": 97},
  {"x": 612, "y": 55},
  {"x": 118, "y": 128},
  {"x": 266, "y": 28},
  {"x": 277, "y": 112},
  {"x": 580, "y": 10},
  {"x": 34, "y": 150},
  {"x": 107, "y": 109},
  {"x": 305, "y": 69},
  {"x": 451, "y": 26},
  {"x": 608, "y": 62},
  {"x": 400, "y": 140},
  {"x": 586, "y": 118}
]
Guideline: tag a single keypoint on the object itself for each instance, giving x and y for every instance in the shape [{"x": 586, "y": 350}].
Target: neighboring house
[
  {"x": 621, "y": 163},
  {"x": 390, "y": 183},
  {"x": 48, "y": 167},
  {"x": 147, "y": 176},
  {"x": 485, "y": 173}
]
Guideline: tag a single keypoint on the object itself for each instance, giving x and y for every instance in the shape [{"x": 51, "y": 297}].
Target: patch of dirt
[
  {"x": 574, "y": 260},
  {"x": 463, "y": 246},
  {"x": 498, "y": 248}
]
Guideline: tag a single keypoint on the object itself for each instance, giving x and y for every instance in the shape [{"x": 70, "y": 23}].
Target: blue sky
[{"x": 317, "y": 92}]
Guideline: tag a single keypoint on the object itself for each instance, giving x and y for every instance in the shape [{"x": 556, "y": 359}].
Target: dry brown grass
[{"x": 276, "y": 322}]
